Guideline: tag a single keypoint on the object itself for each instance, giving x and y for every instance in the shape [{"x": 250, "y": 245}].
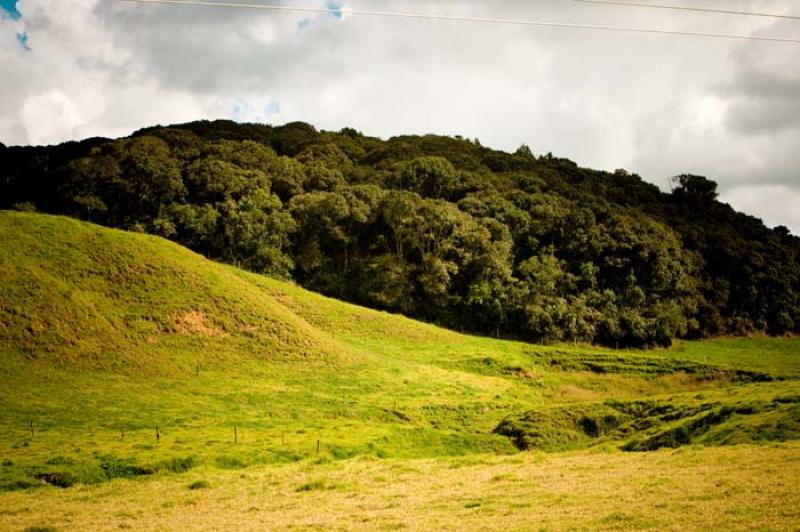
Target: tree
[
  {"x": 436, "y": 227},
  {"x": 431, "y": 177},
  {"x": 150, "y": 179},
  {"x": 326, "y": 166},
  {"x": 329, "y": 226},
  {"x": 254, "y": 233},
  {"x": 89, "y": 181},
  {"x": 694, "y": 188}
]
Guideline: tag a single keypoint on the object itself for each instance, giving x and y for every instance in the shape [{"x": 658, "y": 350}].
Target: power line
[
  {"x": 687, "y": 8},
  {"x": 459, "y": 18}
]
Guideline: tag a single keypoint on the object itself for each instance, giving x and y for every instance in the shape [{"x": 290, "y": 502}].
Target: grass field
[
  {"x": 131, "y": 368},
  {"x": 713, "y": 488}
]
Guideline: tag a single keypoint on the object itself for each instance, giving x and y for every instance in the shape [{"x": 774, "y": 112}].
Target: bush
[
  {"x": 18, "y": 484},
  {"x": 230, "y": 462},
  {"x": 176, "y": 465},
  {"x": 318, "y": 484},
  {"x": 199, "y": 485},
  {"x": 60, "y": 479},
  {"x": 116, "y": 468}
]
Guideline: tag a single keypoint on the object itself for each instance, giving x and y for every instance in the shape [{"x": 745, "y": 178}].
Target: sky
[{"x": 655, "y": 105}]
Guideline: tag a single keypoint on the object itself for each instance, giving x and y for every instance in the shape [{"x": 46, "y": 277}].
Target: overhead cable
[
  {"x": 460, "y": 18},
  {"x": 690, "y": 8}
]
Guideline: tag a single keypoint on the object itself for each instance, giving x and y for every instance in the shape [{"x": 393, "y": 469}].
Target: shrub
[
  {"x": 60, "y": 479},
  {"x": 230, "y": 462},
  {"x": 177, "y": 464},
  {"x": 318, "y": 484},
  {"x": 199, "y": 485},
  {"x": 18, "y": 484},
  {"x": 116, "y": 468}
]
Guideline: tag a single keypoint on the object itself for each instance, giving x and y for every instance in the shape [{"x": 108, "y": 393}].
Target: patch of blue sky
[
  {"x": 237, "y": 111},
  {"x": 335, "y": 8},
  {"x": 244, "y": 110},
  {"x": 274, "y": 108},
  {"x": 8, "y": 9},
  {"x": 22, "y": 39}
]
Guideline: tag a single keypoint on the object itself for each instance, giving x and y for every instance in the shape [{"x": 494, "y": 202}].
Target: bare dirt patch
[{"x": 194, "y": 322}]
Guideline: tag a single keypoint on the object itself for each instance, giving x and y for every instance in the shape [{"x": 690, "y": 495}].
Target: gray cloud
[
  {"x": 656, "y": 105},
  {"x": 765, "y": 89}
]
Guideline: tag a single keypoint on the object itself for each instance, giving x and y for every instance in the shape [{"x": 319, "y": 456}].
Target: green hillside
[
  {"x": 441, "y": 229},
  {"x": 108, "y": 337}
]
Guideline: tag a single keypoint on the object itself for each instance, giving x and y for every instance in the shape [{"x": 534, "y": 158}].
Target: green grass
[
  {"x": 775, "y": 356},
  {"x": 199, "y": 485},
  {"x": 741, "y": 487},
  {"x": 107, "y": 337}
]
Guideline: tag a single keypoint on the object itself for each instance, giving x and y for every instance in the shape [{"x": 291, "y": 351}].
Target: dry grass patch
[
  {"x": 194, "y": 322},
  {"x": 727, "y": 488}
]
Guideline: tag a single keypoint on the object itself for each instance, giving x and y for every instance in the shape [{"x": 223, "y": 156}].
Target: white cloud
[
  {"x": 656, "y": 105},
  {"x": 775, "y": 204},
  {"x": 50, "y": 117}
]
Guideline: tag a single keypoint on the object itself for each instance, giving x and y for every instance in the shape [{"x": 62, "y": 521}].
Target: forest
[{"x": 442, "y": 229}]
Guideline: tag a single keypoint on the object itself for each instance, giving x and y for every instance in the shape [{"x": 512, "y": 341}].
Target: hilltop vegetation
[
  {"x": 124, "y": 355},
  {"x": 437, "y": 228}
]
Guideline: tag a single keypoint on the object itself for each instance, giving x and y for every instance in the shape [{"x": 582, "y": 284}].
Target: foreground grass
[
  {"x": 730, "y": 488},
  {"x": 132, "y": 369}
]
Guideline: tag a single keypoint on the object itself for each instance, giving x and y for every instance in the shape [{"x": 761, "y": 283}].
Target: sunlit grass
[
  {"x": 721, "y": 488},
  {"x": 129, "y": 364}
]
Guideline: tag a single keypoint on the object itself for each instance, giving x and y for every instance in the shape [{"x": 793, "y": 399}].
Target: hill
[
  {"x": 437, "y": 228},
  {"x": 124, "y": 355}
]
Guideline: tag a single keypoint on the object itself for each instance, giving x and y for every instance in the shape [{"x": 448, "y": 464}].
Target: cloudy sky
[{"x": 656, "y": 105}]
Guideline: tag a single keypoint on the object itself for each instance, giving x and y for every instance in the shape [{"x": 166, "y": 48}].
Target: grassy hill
[
  {"x": 441, "y": 229},
  {"x": 125, "y": 355}
]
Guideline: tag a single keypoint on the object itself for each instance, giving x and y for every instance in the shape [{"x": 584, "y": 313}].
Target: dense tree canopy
[{"x": 438, "y": 228}]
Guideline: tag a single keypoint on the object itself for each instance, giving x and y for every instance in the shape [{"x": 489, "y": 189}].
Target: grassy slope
[{"x": 103, "y": 331}]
